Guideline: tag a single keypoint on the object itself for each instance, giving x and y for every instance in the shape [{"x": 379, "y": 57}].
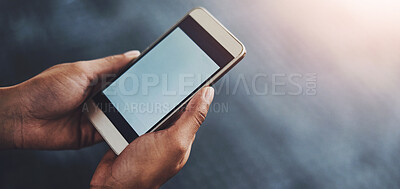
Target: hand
[
  {"x": 45, "y": 112},
  {"x": 150, "y": 160}
]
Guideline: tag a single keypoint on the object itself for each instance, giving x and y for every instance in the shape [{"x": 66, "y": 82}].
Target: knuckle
[
  {"x": 84, "y": 69},
  {"x": 181, "y": 146},
  {"x": 200, "y": 114},
  {"x": 59, "y": 66},
  {"x": 114, "y": 58},
  {"x": 64, "y": 68},
  {"x": 109, "y": 58},
  {"x": 198, "y": 119},
  {"x": 177, "y": 142},
  {"x": 78, "y": 65},
  {"x": 182, "y": 149}
]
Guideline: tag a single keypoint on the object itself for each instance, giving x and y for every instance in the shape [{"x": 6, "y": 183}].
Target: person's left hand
[{"x": 45, "y": 112}]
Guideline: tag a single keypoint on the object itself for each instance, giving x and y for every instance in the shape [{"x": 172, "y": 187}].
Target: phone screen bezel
[{"x": 202, "y": 38}]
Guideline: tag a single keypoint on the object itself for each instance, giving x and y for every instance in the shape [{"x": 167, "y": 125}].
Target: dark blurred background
[{"x": 346, "y": 135}]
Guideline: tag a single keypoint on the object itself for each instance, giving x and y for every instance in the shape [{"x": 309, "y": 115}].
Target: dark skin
[{"x": 45, "y": 112}]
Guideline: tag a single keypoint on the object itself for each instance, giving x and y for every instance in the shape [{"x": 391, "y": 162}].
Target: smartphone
[{"x": 146, "y": 95}]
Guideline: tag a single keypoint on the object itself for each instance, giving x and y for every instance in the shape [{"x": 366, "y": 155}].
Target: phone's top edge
[
  {"x": 242, "y": 52},
  {"x": 199, "y": 7}
]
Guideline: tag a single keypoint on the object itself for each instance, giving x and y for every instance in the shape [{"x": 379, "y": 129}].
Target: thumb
[
  {"x": 110, "y": 65},
  {"x": 186, "y": 126}
]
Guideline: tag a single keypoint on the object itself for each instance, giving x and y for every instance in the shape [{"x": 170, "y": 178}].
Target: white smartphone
[{"x": 143, "y": 98}]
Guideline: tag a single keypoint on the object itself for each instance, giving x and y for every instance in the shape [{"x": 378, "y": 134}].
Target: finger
[
  {"x": 99, "y": 71},
  {"x": 110, "y": 65},
  {"x": 89, "y": 135},
  {"x": 194, "y": 115},
  {"x": 108, "y": 158},
  {"x": 102, "y": 170}
]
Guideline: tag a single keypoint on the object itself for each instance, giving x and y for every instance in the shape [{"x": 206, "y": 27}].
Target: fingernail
[
  {"x": 132, "y": 54},
  {"x": 209, "y": 94}
]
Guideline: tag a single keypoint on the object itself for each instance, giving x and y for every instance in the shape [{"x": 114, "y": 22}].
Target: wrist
[{"x": 10, "y": 118}]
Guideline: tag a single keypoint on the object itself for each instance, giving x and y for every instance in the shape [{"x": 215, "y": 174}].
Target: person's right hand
[{"x": 150, "y": 160}]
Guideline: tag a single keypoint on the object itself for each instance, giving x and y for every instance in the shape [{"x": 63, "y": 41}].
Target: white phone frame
[{"x": 110, "y": 133}]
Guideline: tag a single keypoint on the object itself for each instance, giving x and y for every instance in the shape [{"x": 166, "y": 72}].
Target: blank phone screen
[{"x": 160, "y": 80}]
